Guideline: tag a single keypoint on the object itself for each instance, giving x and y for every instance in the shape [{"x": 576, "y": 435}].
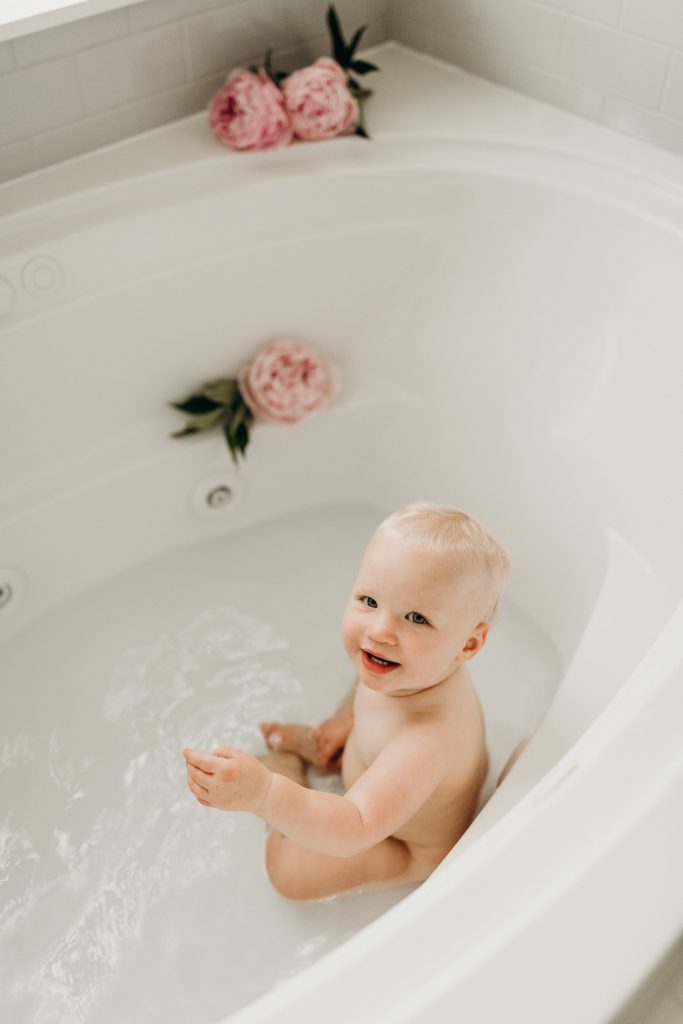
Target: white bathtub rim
[
  {"x": 391, "y": 153},
  {"x": 496, "y": 112}
]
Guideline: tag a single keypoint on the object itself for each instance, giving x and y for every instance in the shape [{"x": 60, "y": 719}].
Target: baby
[{"x": 409, "y": 738}]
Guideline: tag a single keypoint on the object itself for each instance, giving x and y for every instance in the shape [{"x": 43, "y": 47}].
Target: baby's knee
[{"x": 283, "y": 868}]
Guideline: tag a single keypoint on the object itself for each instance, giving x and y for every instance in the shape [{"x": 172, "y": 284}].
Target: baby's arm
[
  {"x": 345, "y": 709},
  {"x": 331, "y": 735},
  {"x": 383, "y": 799}
]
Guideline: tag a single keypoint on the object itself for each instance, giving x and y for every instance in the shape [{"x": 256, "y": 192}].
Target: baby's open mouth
[{"x": 378, "y": 665}]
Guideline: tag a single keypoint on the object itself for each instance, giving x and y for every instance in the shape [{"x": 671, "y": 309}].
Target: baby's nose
[{"x": 383, "y": 631}]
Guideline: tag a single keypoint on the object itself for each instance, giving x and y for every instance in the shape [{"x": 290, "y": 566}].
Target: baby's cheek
[
  {"x": 349, "y": 633},
  {"x": 435, "y": 661},
  {"x": 347, "y": 642}
]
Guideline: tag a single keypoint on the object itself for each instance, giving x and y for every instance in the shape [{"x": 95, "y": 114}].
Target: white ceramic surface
[{"x": 499, "y": 285}]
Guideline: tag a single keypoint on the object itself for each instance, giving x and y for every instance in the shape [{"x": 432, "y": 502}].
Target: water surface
[{"x": 120, "y": 896}]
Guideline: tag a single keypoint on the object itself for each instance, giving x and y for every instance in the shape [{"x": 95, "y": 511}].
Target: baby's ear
[{"x": 475, "y": 641}]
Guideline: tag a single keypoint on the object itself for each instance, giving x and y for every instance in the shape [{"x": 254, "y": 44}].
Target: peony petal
[{"x": 286, "y": 382}]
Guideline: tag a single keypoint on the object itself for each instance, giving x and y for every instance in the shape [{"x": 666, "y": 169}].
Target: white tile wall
[
  {"x": 615, "y": 63},
  {"x": 38, "y": 98},
  {"x": 66, "y": 90},
  {"x": 129, "y": 69},
  {"x": 659, "y": 20},
  {"x": 619, "y": 62},
  {"x": 82, "y": 85},
  {"x": 78, "y": 35}
]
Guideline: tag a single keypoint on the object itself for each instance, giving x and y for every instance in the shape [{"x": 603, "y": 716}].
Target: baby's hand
[
  {"x": 228, "y": 779},
  {"x": 330, "y": 738}
]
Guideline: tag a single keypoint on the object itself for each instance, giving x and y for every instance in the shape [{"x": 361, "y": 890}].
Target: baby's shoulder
[
  {"x": 456, "y": 712},
  {"x": 455, "y": 697}
]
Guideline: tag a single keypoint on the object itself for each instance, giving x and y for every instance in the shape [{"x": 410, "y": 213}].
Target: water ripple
[{"x": 135, "y": 835}]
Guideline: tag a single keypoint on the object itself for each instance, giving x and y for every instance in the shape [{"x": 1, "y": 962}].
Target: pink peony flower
[
  {"x": 249, "y": 113},
  {"x": 318, "y": 101},
  {"x": 286, "y": 382}
]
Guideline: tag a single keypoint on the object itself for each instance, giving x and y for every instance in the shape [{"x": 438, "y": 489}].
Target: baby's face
[{"x": 406, "y": 626}]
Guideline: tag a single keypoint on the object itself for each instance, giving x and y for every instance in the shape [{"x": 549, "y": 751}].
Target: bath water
[{"x": 120, "y": 896}]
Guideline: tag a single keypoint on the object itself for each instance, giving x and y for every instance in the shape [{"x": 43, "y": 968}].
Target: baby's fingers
[
  {"x": 198, "y": 791},
  {"x": 201, "y": 761},
  {"x": 320, "y": 735},
  {"x": 322, "y": 740},
  {"x": 226, "y": 752},
  {"x": 200, "y": 778},
  {"x": 326, "y": 744}
]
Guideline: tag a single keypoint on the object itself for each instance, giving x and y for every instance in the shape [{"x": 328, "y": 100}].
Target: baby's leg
[
  {"x": 293, "y": 739},
  {"x": 302, "y": 874},
  {"x": 323, "y": 746}
]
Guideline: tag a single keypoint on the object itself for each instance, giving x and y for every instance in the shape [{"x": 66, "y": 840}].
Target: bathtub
[{"x": 499, "y": 286}]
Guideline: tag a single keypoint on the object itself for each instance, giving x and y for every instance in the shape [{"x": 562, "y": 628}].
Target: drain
[
  {"x": 6, "y": 594},
  {"x": 216, "y": 495},
  {"x": 219, "y": 497}
]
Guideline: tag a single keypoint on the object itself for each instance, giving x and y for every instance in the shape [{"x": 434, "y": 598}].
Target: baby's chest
[
  {"x": 372, "y": 732},
  {"x": 362, "y": 747}
]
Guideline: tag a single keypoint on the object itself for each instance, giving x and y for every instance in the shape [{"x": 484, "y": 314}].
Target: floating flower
[
  {"x": 285, "y": 383},
  {"x": 318, "y": 101},
  {"x": 249, "y": 113}
]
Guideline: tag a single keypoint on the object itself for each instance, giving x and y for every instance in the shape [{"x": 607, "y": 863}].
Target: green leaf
[
  {"x": 338, "y": 45},
  {"x": 231, "y": 444},
  {"x": 236, "y": 426},
  {"x": 242, "y": 437},
  {"x": 268, "y": 67},
  {"x": 222, "y": 392},
  {"x": 237, "y": 419},
  {"x": 237, "y": 436},
  {"x": 363, "y": 67},
  {"x": 220, "y": 404},
  {"x": 361, "y": 129},
  {"x": 357, "y": 90},
  {"x": 196, "y": 404},
  {"x": 206, "y": 421},
  {"x": 353, "y": 45}
]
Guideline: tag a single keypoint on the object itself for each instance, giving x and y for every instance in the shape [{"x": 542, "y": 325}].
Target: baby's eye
[
  {"x": 369, "y": 602},
  {"x": 418, "y": 619}
]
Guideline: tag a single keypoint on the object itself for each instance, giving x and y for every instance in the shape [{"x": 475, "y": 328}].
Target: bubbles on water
[
  {"x": 16, "y": 750},
  {"x": 118, "y": 824}
]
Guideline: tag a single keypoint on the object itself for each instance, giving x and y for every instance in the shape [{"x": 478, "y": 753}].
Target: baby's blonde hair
[{"x": 462, "y": 541}]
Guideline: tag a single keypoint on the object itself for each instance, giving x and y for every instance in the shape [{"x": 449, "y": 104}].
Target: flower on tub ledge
[
  {"x": 286, "y": 382},
  {"x": 260, "y": 108}
]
